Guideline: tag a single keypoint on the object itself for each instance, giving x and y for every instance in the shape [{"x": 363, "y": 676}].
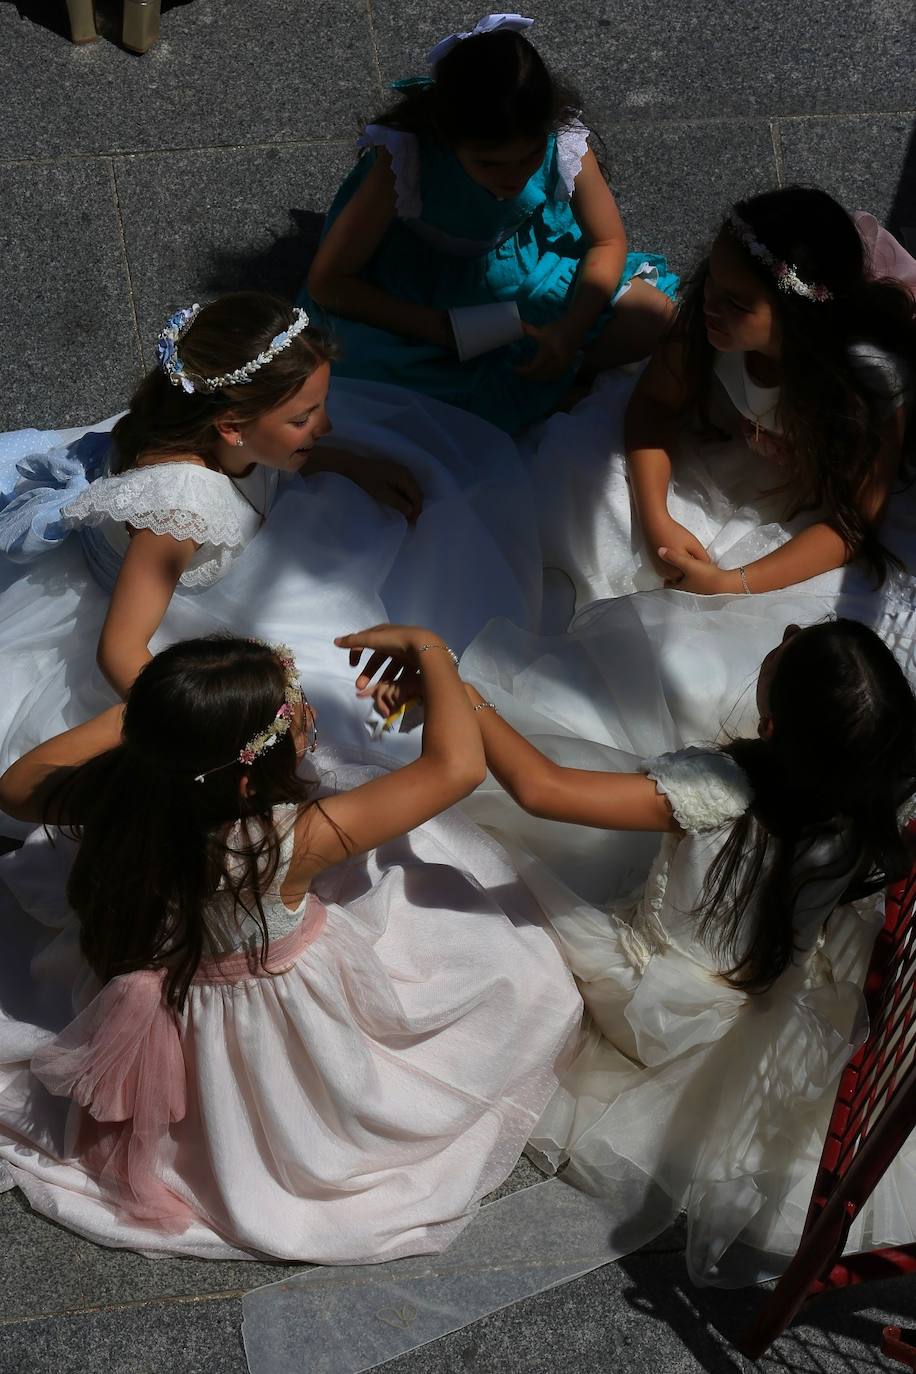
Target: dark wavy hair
[
  {"x": 490, "y": 88},
  {"x": 154, "y": 843},
  {"x": 164, "y": 419},
  {"x": 840, "y": 761},
  {"x": 830, "y": 420}
]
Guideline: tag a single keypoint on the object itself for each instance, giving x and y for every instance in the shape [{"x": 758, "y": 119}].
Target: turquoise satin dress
[{"x": 453, "y": 243}]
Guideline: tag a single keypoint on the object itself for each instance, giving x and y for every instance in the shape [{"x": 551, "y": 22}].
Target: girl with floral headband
[
  {"x": 186, "y": 519},
  {"x": 478, "y": 188},
  {"x": 213, "y": 1058},
  {"x": 764, "y": 438}
]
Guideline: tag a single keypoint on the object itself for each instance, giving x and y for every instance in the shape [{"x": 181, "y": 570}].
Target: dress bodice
[
  {"x": 230, "y": 928},
  {"x": 440, "y": 203},
  {"x": 708, "y": 792},
  {"x": 185, "y": 500}
]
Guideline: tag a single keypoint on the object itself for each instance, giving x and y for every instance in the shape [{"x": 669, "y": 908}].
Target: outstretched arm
[
  {"x": 25, "y": 784},
  {"x": 608, "y": 801},
  {"x": 390, "y": 483},
  {"x": 817, "y": 549},
  {"x": 450, "y": 765}
]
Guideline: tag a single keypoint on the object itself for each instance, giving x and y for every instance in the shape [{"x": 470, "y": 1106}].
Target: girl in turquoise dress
[{"x": 478, "y": 187}]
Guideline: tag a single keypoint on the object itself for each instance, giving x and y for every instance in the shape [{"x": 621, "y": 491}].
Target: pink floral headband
[
  {"x": 787, "y": 279},
  {"x": 266, "y": 739}
]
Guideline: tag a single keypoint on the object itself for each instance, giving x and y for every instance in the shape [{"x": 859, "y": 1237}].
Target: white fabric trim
[
  {"x": 179, "y": 499},
  {"x": 572, "y": 145},
  {"x": 706, "y": 788},
  {"x": 405, "y": 163}
]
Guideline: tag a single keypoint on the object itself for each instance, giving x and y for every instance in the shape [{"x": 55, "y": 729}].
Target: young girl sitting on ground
[
  {"x": 187, "y": 527},
  {"x": 476, "y": 187},
  {"x": 252, "y": 1070},
  {"x": 790, "y": 349},
  {"x": 724, "y": 995}
]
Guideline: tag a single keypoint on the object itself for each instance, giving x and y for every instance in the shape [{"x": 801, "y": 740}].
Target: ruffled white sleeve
[
  {"x": 181, "y": 499},
  {"x": 706, "y": 788},
  {"x": 572, "y": 145},
  {"x": 404, "y": 152}
]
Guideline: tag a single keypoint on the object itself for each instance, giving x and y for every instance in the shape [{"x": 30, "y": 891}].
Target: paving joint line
[
  {"x": 776, "y": 140},
  {"x": 170, "y": 1299},
  {"x": 130, "y": 278},
  {"x": 370, "y": 16},
  {"x": 345, "y": 141}
]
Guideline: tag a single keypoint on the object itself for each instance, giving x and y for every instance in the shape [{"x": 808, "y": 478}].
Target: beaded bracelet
[
  {"x": 453, "y": 656},
  {"x": 742, "y": 573},
  {"x": 482, "y": 705}
]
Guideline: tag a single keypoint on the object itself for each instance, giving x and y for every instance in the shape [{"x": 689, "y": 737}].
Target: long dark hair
[
  {"x": 830, "y": 421},
  {"x": 154, "y": 843},
  {"x": 164, "y": 419},
  {"x": 827, "y": 783},
  {"x": 491, "y": 88}
]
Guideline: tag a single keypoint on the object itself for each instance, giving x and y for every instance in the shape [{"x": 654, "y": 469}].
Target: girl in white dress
[
  {"x": 799, "y": 514},
  {"x": 207, "y": 1057},
  {"x": 725, "y": 992},
  {"x": 764, "y": 438},
  {"x": 184, "y": 522}
]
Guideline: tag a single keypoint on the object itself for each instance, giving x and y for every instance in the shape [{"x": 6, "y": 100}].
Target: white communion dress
[
  {"x": 298, "y": 563},
  {"x": 688, "y": 1095},
  {"x": 351, "y": 1103}
]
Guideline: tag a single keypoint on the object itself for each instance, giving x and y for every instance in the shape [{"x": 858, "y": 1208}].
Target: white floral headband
[
  {"x": 178, "y": 324},
  {"x": 787, "y": 279},
  {"x": 293, "y": 696},
  {"x": 516, "y": 23}
]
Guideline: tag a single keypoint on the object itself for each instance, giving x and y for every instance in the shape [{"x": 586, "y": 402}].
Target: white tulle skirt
[
  {"x": 329, "y": 560},
  {"x": 354, "y": 1106}
]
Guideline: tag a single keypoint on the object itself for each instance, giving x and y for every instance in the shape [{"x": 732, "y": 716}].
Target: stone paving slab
[
  {"x": 709, "y": 165},
  {"x": 68, "y": 342},
  {"x": 224, "y": 73},
  {"x": 868, "y": 162},
  {"x": 654, "y": 59}
]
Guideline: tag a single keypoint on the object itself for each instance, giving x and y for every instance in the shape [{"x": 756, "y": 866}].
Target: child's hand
[
  {"x": 675, "y": 538},
  {"x": 390, "y": 483},
  {"x": 694, "y": 574},
  {"x": 556, "y": 354},
  {"x": 395, "y": 650}
]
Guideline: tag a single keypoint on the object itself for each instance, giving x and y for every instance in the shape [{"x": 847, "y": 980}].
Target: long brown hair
[
  {"x": 827, "y": 783},
  {"x": 830, "y": 421},
  {"x": 156, "y": 845},
  {"x": 164, "y": 419}
]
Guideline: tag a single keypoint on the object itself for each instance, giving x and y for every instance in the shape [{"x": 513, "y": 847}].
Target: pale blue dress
[{"x": 453, "y": 243}]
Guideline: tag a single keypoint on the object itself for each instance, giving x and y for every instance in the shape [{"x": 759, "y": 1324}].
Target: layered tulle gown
[{"x": 351, "y": 1103}]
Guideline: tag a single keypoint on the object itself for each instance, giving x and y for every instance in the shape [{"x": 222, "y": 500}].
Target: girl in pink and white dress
[{"x": 201, "y": 1054}]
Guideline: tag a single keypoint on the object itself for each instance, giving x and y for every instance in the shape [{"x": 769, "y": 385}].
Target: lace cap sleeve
[
  {"x": 180, "y": 499},
  {"x": 705, "y": 787},
  {"x": 572, "y": 145},
  {"x": 404, "y": 151}
]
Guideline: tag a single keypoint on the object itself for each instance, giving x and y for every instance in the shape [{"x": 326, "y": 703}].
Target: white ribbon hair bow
[{"x": 516, "y": 23}]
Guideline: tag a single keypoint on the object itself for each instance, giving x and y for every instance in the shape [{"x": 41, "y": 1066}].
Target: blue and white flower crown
[{"x": 178, "y": 324}]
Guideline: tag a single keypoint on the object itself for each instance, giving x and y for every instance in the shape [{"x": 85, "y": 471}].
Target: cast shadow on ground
[
  {"x": 902, "y": 217},
  {"x": 281, "y": 268}
]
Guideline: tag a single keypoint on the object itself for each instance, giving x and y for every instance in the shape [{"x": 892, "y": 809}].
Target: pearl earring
[{"x": 240, "y": 442}]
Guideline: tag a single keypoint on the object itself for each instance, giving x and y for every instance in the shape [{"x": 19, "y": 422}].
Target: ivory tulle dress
[
  {"x": 300, "y": 562},
  {"x": 453, "y": 243},
  {"x": 686, "y": 1095},
  {"x": 353, "y": 1104},
  {"x": 664, "y": 668}
]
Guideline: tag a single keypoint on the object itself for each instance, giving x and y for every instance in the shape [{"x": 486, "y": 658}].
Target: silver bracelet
[
  {"x": 482, "y": 705},
  {"x": 742, "y": 573},
  {"x": 453, "y": 656}
]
